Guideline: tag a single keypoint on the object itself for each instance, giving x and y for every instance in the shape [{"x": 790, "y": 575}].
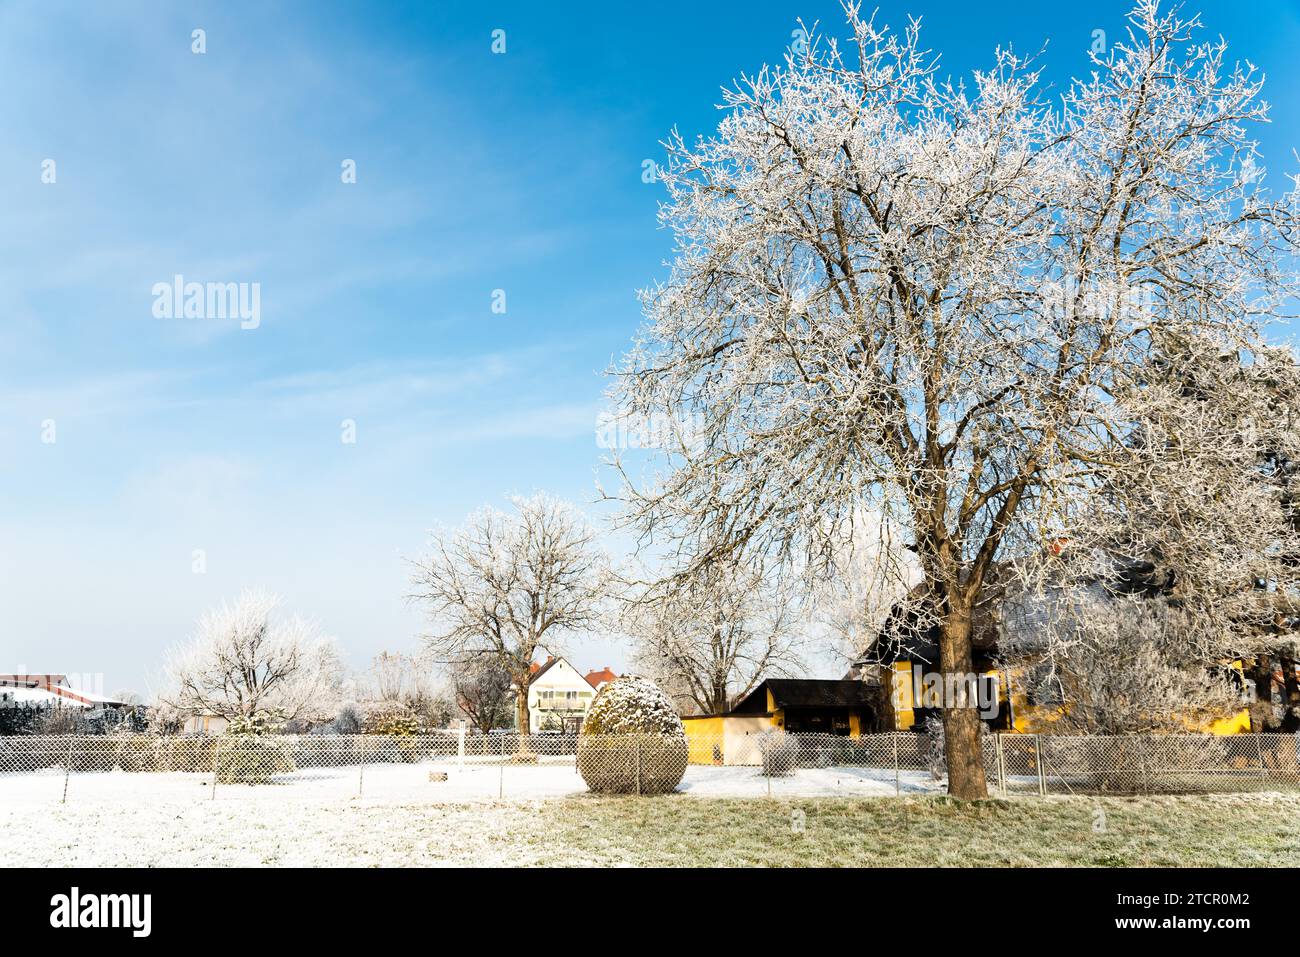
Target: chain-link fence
[
  {"x": 460, "y": 766},
  {"x": 1142, "y": 764}
]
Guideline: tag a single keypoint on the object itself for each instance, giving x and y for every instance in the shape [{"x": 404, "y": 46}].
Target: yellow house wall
[
  {"x": 701, "y": 736},
  {"x": 726, "y": 739},
  {"x": 901, "y": 696},
  {"x": 1037, "y": 719},
  {"x": 1238, "y": 723}
]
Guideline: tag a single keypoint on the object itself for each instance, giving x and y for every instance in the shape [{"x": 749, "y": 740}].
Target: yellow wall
[
  {"x": 701, "y": 736},
  {"x": 1238, "y": 723},
  {"x": 740, "y": 735},
  {"x": 726, "y": 739},
  {"x": 901, "y": 696}
]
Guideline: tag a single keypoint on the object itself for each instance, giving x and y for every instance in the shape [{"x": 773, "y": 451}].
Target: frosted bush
[{"x": 632, "y": 740}]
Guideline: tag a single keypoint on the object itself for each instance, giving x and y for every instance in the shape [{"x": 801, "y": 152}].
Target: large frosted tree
[{"x": 931, "y": 300}]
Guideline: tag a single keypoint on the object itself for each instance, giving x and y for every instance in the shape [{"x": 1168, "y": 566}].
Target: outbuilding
[{"x": 845, "y": 707}]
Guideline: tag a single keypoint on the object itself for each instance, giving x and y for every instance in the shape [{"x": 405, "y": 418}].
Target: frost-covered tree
[
  {"x": 712, "y": 637},
  {"x": 247, "y": 659},
  {"x": 1135, "y": 666},
  {"x": 502, "y": 584},
  {"x": 1181, "y": 566},
  {"x": 392, "y": 677},
  {"x": 931, "y": 299}
]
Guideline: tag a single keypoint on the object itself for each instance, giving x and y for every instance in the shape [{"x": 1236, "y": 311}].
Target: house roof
[
  {"x": 598, "y": 678},
  {"x": 808, "y": 693},
  {"x": 33, "y": 681},
  {"x": 41, "y": 689},
  {"x": 573, "y": 675},
  {"x": 22, "y": 694}
]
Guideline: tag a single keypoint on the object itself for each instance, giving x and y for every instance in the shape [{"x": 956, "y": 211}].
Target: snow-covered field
[
  {"x": 672, "y": 830},
  {"x": 405, "y": 783},
  {"x": 389, "y": 814}
]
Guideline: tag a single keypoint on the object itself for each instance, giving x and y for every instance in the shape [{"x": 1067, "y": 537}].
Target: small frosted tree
[{"x": 247, "y": 659}]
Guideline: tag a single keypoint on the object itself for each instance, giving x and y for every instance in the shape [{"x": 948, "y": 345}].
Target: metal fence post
[
  {"x": 216, "y": 766},
  {"x": 638, "y": 770},
  {"x": 67, "y": 768},
  {"x": 460, "y": 746},
  {"x": 501, "y": 769},
  {"x": 1038, "y": 759},
  {"x": 1259, "y": 748},
  {"x": 1001, "y": 761},
  {"x": 361, "y": 772},
  {"x": 898, "y": 781}
]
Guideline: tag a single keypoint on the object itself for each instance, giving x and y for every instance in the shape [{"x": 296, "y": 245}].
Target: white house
[{"x": 558, "y": 697}]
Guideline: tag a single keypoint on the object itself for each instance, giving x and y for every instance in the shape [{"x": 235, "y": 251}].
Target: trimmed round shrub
[{"x": 632, "y": 741}]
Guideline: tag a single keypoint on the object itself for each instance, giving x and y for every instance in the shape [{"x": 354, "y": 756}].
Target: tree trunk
[
  {"x": 521, "y": 718},
  {"x": 1261, "y": 710},
  {"x": 1291, "y": 719},
  {"x": 961, "y": 722},
  {"x": 719, "y": 694}
]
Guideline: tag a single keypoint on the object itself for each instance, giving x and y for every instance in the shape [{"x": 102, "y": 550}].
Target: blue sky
[{"x": 475, "y": 172}]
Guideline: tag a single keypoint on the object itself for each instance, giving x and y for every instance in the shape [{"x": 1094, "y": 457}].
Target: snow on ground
[
  {"x": 315, "y": 817},
  {"x": 709, "y": 781},
  {"x": 306, "y": 833},
  {"x": 382, "y": 815},
  {"x": 416, "y": 782}
]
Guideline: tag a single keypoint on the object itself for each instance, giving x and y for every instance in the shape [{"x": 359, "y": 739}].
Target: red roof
[{"x": 598, "y": 678}]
